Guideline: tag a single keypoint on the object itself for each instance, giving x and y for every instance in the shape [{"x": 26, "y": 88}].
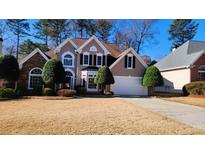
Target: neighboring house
[
  {"x": 183, "y": 65},
  {"x": 81, "y": 59}
]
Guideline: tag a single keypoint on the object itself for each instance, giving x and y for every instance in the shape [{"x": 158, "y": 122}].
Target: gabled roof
[
  {"x": 183, "y": 57},
  {"x": 37, "y": 50},
  {"x": 123, "y": 54},
  {"x": 58, "y": 48},
  {"x": 98, "y": 42},
  {"x": 114, "y": 50}
]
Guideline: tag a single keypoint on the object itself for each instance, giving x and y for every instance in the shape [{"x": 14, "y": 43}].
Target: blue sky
[{"x": 162, "y": 48}]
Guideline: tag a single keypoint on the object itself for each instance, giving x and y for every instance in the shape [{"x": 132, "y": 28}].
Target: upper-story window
[
  {"x": 68, "y": 59},
  {"x": 130, "y": 61},
  {"x": 99, "y": 59},
  {"x": 93, "y": 49},
  {"x": 85, "y": 59},
  {"x": 201, "y": 73}
]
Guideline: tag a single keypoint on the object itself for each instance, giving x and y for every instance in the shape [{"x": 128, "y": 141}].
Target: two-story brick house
[{"x": 81, "y": 59}]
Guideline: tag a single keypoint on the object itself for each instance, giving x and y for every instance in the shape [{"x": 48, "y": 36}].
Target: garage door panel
[{"x": 128, "y": 86}]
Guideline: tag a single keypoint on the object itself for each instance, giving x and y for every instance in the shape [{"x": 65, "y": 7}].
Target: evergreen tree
[
  {"x": 42, "y": 27},
  {"x": 182, "y": 30},
  {"x": 28, "y": 46},
  {"x": 58, "y": 30},
  {"x": 20, "y": 28}
]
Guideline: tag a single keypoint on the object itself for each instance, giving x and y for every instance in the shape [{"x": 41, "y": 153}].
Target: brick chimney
[{"x": 1, "y": 46}]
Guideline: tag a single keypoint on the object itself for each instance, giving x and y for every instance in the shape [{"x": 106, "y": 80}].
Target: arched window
[
  {"x": 201, "y": 73},
  {"x": 35, "y": 78},
  {"x": 69, "y": 79},
  {"x": 68, "y": 59}
]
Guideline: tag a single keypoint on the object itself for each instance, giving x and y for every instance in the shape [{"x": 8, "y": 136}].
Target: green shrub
[
  {"x": 66, "y": 92},
  {"x": 7, "y": 93},
  {"x": 194, "y": 88},
  {"x": 53, "y": 72},
  {"x": 152, "y": 77},
  {"x": 48, "y": 92},
  {"x": 9, "y": 68},
  {"x": 37, "y": 90},
  {"x": 81, "y": 90},
  {"x": 21, "y": 90}
]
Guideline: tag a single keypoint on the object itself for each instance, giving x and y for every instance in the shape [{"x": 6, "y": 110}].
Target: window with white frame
[
  {"x": 68, "y": 60},
  {"x": 130, "y": 61},
  {"x": 85, "y": 59},
  {"x": 99, "y": 60},
  {"x": 201, "y": 73},
  {"x": 35, "y": 78}
]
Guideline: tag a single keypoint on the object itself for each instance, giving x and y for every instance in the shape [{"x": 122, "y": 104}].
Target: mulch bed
[{"x": 197, "y": 96}]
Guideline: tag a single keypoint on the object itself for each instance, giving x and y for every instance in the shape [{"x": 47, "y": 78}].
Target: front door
[{"x": 91, "y": 86}]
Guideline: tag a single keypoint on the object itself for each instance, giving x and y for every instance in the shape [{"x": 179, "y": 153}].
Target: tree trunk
[
  {"x": 150, "y": 91},
  {"x": 17, "y": 47}
]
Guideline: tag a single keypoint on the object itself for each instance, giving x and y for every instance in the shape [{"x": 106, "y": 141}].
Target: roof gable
[
  {"x": 37, "y": 50},
  {"x": 123, "y": 54},
  {"x": 98, "y": 42},
  {"x": 58, "y": 48}
]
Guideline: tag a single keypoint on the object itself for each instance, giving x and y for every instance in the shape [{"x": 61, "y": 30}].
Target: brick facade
[
  {"x": 194, "y": 70},
  {"x": 35, "y": 61}
]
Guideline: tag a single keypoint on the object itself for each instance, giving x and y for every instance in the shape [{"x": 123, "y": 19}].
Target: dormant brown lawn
[
  {"x": 188, "y": 100},
  {"x": 84, "y": 116}
]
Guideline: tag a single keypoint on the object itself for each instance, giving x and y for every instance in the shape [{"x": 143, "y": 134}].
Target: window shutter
[
  {"x": 81, "y": 59},
  {"x": 91, "y": 59},
  {"x": 103, "y": 60},
  {"x": 94, "y": 60},
  {"x": 126, "y": 61},
  {"x": 133, "y": 62}
]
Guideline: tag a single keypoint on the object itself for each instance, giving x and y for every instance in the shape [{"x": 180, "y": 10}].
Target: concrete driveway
[{"x": 188, "y": 114}]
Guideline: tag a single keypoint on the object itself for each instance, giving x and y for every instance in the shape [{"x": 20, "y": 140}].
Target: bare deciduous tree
[{"x": 137, "y": 35}]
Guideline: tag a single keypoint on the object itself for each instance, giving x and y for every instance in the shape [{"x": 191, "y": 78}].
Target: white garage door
[{"x": 128, "y": 86}]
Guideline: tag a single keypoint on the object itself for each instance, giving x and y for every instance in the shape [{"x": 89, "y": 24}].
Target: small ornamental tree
[
  {"x": 104, "y": 77},
  {"x": 152, "y": 78},
  {"x": 53, "y": 72},
  {"x": 9, "y": 68}
]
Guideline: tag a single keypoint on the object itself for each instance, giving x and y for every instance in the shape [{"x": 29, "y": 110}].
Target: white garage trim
[{"x": 129, "y": 85}]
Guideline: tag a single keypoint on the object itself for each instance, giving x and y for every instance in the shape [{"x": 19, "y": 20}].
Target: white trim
[
  {"x": 29, "y": 76},
  {"x": 88, "y": 54},
  {"x": 130, "y": 55},
  {"x": 73, "y": 58},
  {"x": 93, "y": 49},
  {"x": 125, "y": 53},
  {"x": 99, "y": 55},
  {"x": 174, "y": 68},
  {"x": 69, "y": 70},
  {"x": 58, "y": 48},
  {"x": 37, "y": 50},
  {"x": 98, "y": 42}
]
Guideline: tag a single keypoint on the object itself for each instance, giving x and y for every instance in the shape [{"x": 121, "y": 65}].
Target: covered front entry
[
  {"x": 88, "y": 78},
  {"x": 69, "y": 78},
  {"x": 126, "y": 85}
]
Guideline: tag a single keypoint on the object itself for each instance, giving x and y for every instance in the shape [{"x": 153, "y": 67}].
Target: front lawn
[
  {"x": 187, "y": 100},
  {"x": 84, "y": 116}
]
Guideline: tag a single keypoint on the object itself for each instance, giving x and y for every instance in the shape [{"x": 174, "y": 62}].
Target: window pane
[
  {"x": 68, "y": 62},
  {"x": 68, "y": 56},
  {"x": 129, "y": 62},
  {"x": 35, "y": 81},
  {"x": 99, "y": 60},
  {"x": 86, "y": 59},
  {"x": 91, "y": 84},
  {"x": 36, "y": 71}
]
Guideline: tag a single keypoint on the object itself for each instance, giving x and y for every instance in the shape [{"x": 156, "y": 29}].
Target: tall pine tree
[
  {"x": 20, "y": 28},
  {"x": 182, "y": 30},
  {"x": 42, "y": 28}
]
